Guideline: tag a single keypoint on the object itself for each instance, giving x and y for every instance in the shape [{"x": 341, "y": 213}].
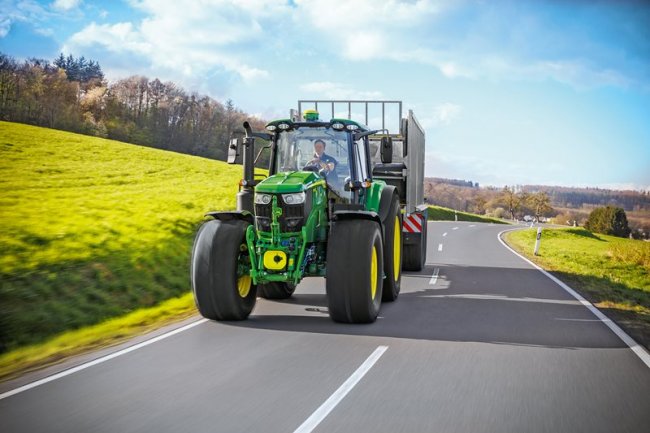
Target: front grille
[{"x": 291, "y": 220}]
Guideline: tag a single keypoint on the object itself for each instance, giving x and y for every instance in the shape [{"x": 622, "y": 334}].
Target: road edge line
[
  {"x": 629, "y": 341},
  {"x": 94, "y": 362},
  {"x": 324, "y": 409}
]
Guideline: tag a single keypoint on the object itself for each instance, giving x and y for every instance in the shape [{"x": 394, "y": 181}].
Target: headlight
[
  {"x": 297, "y": 198},
  {"x": 262, "y": 198}
]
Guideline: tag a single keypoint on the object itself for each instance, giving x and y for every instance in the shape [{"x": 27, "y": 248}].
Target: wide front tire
[
  {"x": 355, "y": 267},
  {"x": 220, "y": 291},
  {"x": 392, "y": 252},
  {"x": 276, "y": 290}
]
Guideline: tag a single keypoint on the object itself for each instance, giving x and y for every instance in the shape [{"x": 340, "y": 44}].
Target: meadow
[
  {"x": 613, "y": 273},
  {"x": 92, "y": 229},
  {"x": 439, "y": 213}
]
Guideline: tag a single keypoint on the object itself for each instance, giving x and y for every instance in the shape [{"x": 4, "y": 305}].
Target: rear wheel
[
  {"x": 222, "y": 289},
  {"x": 355, "y": 267},
  {"x": 276, "y": 290},
  {"x": 392, "y": 252}
]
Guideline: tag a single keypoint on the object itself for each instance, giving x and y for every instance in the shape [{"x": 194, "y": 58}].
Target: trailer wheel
[
  {"x": 392, "y": 252},
  {"x": 221, "y": 290},
  {"x": 355, "y": 267},
  {"x": 415, "y": 255},
  {"x": 276, "y": 290}
]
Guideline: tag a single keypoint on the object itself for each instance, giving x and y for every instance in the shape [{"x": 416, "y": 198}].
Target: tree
[
  {"x": 608, "y": 220},
  {"x": 511, "y": 200},
  {"x": 540, "y": 204}
]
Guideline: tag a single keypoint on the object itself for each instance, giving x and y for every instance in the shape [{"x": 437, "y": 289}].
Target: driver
[{"x": 322, "y": 161}]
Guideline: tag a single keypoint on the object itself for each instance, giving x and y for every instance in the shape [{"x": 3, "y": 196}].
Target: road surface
[{"x": 479, "y": 341}]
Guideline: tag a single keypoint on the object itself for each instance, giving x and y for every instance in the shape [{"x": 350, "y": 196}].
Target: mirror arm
[{"x": 268, "y": 146}]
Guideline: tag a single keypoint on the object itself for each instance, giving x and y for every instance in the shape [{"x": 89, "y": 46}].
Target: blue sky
[{"x": 509, "y": 92}]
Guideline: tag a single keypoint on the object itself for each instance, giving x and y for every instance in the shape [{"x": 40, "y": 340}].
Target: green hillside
[
  {"x": 93, "y": 228},
  {"x": 439, "y": 213}
]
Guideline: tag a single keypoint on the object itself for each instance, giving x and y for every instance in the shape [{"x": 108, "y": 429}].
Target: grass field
[
  {"x": 92, "y": 229},
  {"x": 438, "y": 213},
  {"x": 613, "y": 273}
]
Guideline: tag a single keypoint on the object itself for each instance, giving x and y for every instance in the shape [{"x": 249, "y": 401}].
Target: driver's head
[{"x": 319, "y": 147}]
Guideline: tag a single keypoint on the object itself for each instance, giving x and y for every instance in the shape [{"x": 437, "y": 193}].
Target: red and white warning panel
[{"x": 413, "y": 223}]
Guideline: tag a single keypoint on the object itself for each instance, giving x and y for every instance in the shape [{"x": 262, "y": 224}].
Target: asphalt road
[{"x": 479, "y": 341}]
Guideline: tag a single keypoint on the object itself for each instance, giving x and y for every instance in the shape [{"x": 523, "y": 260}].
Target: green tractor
[{"x": 319, "y": 213}]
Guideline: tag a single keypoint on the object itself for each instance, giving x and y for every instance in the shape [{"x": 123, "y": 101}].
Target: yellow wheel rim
[
  {"x": 397, "y": 248},
  {"x": 373, "y": 272},
  {"x": 244, "y": 285}
]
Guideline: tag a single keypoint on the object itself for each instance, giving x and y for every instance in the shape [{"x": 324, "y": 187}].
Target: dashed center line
[
  {"x": 444, "y": 234},
  {"x": 319, "y": 415},
  {"x": 455, "y": 228},
  {"x": 434, "y": 277},
  {"x": 439, "y": 247}
]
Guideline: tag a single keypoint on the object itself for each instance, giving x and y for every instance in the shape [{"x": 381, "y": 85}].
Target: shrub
[{"x": 608, "y": 220}]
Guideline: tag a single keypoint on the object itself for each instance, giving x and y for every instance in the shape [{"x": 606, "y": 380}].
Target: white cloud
[
  {"x": 330, "y": 90},
  {"x": 445, "y": 113},
  {"x": 21, "y": 11},
  {"x": 5, "y": 26},
  {"x": 438, "y": 115},
  {"x": 496, "y": 43},
  {"x": 185, "y": 41},
  {"x": 66, "y": 5}
]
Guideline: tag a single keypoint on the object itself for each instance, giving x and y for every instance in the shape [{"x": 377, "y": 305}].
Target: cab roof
[{"x": 317, "y": 123}]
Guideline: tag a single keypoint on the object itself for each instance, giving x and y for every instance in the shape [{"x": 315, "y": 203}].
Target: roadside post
[
  {"x": 455, "y": 215},
  {"x": 538, "y": 240}
]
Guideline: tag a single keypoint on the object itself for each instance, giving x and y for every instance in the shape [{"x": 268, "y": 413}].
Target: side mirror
[
  {"x": 386, "y": 150},
  {"x": 233, "y": 150}
]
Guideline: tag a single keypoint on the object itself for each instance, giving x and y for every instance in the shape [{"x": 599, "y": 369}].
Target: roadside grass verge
[
  {"x": 612, "y": 273},
  {"x": 93, "y": 229},
  {"x": 108, "y": 333},
  {"x": 438, "y": 213}
]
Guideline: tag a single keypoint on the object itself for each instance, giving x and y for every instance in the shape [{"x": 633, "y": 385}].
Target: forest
[
  {"x": 72, "y": 94},
  {"x": 565, "y": 205}
]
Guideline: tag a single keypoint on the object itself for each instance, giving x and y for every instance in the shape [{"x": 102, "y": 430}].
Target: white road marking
[
  {"x": 99, "y": 360},
  {"x": 505, "y": 298},
  {"x": 455, "y": 228},
  {"x": 444, "y": 234},
  {"x": 636, "y": 348},
  {"x": 319, "y": 415},
  {"x": 434, "y": 277},
  {"x": 472, "y": 225},
  {"x": 439, "y": 247}
]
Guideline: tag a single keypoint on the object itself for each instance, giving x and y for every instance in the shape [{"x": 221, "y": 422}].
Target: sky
[{"x": 509, "y": 92}]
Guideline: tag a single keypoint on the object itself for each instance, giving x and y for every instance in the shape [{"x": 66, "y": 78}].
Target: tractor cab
[{"x": 337, "y": 150}]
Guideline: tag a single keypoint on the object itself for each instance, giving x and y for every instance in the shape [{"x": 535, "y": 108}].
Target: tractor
[{"x": 328, "y": 208}]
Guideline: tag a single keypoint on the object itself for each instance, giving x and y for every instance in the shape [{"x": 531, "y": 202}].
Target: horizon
[{"x": 536, "y": 93}]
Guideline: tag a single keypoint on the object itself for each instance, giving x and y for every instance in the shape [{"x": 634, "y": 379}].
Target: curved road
[{"x": 479, "y": 341}]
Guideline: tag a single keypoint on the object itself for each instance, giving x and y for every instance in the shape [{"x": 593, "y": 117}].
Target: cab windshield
[{"x": 298, "y": 149}]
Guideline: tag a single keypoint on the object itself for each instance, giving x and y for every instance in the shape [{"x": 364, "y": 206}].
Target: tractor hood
[{"x": 282, "y": 183}]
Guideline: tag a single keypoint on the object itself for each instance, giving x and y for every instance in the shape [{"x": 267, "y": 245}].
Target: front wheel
[
  {"x": 355, "y": 268},
  {"x": 222, "y": 288}
]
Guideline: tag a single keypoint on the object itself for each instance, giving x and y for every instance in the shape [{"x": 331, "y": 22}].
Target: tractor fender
[
  {"x": 357, "y": 214},
  {"x": 384, "y": 202},
  {"x": 232, "y": 216}
]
